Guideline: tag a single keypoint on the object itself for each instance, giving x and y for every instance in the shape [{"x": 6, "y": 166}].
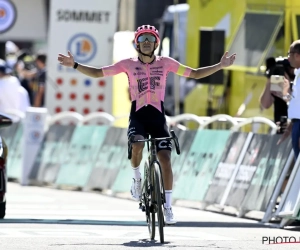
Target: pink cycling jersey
[{"x": 147, "y": 82}]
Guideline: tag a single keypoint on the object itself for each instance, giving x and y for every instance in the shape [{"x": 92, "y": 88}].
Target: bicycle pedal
[{"x": 142, "y": 208}]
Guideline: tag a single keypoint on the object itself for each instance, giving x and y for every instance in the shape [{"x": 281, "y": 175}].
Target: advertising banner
[
  {"x": 200, "y": 164},
  {"x": 80, "y": 159},
  {"x": 258, "y": 148},
  {"x": 226, "y": 167},
  {"x": 86, "y": 29},
  {"x": 32, "y": 138},
  {"x": 108, "y": 159},
  {"x": 267, "y": 175},
  {"x": 52, "y": 153}
]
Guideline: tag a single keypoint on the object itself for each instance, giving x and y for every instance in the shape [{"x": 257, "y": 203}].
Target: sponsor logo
[
  {"x": 253, "y": 155},
  {"x": 153, "y": 82},
  {"x": 160, "y": 67},
  {"x": 35, "y": 136},
  {"x": 36, "y": 117},
  {"x": 83, "y": 16},
  {"x": 165, "y": 144},
  {"x": 139, "y": 74},
  {"x": 142, "y": 84},
  {"x": 8, "y": 15},
  {"x": 83, "y": 47}
]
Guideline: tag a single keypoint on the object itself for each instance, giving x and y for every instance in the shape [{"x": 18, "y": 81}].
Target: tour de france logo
[
  {"x": 8, "y": 15},
  {"x": 83, "y": 47}
]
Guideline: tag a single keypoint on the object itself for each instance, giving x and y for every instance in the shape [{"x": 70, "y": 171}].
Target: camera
[
  {"x": 283, "y": 124},
  {"x": 279, "y": 66},
  {"x": 276, "y": 68}
]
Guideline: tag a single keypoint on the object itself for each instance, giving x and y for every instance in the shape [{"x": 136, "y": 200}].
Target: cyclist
[{"x": 147, "y": 82}]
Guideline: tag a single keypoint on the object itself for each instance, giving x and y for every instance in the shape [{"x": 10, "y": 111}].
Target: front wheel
[
  {"x": 158, "y": 193},
  {"x": 149, "y": 202}
]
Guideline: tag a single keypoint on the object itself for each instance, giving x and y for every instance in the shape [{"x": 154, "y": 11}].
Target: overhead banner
[{"x": 85, "y": 28}]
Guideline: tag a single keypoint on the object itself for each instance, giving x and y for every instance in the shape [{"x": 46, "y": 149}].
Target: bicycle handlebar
[{"x": 172, "y": 137}]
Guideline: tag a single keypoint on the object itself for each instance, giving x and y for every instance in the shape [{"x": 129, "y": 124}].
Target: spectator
[
  {"x": 38, "y": 75},
  {"x": 39, "y": 94},
  {"x": 12, "y": 95},
  {"x": 25, "y": 61}
]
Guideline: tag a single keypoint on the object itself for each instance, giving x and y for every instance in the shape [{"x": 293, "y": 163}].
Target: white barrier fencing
[{"x": 24, "y": 155}]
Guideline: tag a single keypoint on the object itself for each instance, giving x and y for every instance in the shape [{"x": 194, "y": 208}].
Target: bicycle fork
[{"x": 149, "y": 190}]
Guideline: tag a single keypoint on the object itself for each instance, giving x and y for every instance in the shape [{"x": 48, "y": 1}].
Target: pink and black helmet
[{"x": 146, "y": 29}]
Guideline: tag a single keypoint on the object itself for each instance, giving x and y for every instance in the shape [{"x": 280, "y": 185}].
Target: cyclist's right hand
[{"x": 67, "y": 61}]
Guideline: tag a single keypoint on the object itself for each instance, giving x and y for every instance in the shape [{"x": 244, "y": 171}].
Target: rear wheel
[
  {"x": 159, "y": 192},
  {"x": 2, "y": 209}
]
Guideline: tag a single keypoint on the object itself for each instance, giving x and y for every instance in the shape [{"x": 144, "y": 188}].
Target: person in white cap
[{"x": 12, "y": 95}]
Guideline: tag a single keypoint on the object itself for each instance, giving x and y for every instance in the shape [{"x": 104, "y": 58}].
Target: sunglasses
[
  {"x": 292, "y": 52},
  {"x": 143, "y": 38}
]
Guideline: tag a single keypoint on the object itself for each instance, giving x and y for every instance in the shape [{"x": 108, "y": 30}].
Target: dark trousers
[{"x": 296, "y": 137}]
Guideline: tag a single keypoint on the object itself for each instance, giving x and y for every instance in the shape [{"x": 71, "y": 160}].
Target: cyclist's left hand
[{"x": 226, "y": 60}]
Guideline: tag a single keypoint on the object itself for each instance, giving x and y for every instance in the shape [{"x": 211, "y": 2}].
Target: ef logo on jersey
[
  {"x": 8, "y": 15},
  {"x": 83, "y": 47}
]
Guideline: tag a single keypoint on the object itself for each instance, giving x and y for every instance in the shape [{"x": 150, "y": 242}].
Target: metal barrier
[
  {"x": 195, "y": 154},
  {"x": 65, "y": 115},
  {"x": 174, "y": 120},
  {"x": 202, "y": 121},
  {"x": 107, "y": 118},
  {"x": 218, "y": 118},
  {"x": 257, "y": 119}
]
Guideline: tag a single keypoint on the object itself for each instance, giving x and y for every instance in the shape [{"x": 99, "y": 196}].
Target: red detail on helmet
[{"x": 146, "y": 29}]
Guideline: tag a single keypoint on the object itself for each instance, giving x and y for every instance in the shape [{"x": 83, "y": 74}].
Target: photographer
[
  {"x": 291, "y": 94},
  {"x": 273, "y": 91}
]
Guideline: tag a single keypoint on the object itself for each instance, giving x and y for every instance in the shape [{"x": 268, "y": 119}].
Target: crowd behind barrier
[{"x": 217, "y": 167}]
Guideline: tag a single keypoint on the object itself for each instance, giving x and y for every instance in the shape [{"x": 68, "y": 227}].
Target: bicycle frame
[{"x": 152, "y": 158}]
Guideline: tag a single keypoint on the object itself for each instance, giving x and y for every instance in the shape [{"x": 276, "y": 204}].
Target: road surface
[{"x": 49, "y": 219}]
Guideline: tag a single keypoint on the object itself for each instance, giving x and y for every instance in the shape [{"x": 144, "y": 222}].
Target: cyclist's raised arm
[
  {"x": 186, "y": 71},
  {"x": 110, "y": 70}
]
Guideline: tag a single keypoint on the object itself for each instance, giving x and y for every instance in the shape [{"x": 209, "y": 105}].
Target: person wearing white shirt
[
  {"x": 292, "y": 97},
  {"x": 12, "y": 96}
]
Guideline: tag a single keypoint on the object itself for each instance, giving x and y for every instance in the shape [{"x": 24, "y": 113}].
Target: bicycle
[{"x": 153, "y": 191}]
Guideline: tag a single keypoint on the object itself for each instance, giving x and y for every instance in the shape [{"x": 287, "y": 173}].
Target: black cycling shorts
[{"x": 155, "y": 129}]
